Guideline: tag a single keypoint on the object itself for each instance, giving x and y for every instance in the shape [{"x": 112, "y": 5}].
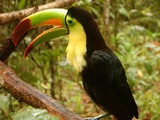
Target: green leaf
[
  {"x": 4, "y": 102},
  {"x": 21, "y": 4},
  {"x": 148, "y": 68},
  {"x": 123, "y": 11},
  {"x": 29, "y": 113}
]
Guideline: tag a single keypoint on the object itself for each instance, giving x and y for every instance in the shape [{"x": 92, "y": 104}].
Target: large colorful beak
[{"x": 55, "y": 17}]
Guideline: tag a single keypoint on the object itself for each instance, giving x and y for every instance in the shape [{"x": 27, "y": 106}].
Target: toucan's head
[{"x": 77, "y": 23}]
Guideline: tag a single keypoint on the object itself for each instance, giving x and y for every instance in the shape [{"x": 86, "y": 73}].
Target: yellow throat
[{"x": 76, "y": 48}]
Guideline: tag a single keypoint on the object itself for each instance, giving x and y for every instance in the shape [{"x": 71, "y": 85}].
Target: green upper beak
[{"x": 55, "y": 17}]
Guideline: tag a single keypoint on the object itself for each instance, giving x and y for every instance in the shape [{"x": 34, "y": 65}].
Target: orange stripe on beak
[{"x": 52, "y": 22}]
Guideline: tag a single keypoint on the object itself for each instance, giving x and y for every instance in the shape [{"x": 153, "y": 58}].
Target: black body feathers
[{"x": 105, "y": 81}]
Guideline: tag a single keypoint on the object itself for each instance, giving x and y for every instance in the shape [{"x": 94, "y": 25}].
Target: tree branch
[
  {"x": 30, "y": 95},
  {"x": 106, "y": 22},
  {"x": 18, "y": 15},
  {"x": 6, "y": 48}
]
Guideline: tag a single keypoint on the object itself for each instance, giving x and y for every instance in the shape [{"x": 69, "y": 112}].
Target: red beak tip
[
  {"x": 15, "y": 43},
  {"x": 25, "y": 54}
]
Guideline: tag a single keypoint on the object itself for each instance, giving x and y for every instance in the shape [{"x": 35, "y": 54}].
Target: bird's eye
[{"x": 70, "y": 22}]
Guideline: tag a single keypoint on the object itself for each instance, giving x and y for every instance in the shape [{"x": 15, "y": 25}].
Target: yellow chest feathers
[{"x": 76, "y": 48}]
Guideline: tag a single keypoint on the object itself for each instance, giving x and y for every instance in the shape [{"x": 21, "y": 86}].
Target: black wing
[{"x": 108, "y": 87}]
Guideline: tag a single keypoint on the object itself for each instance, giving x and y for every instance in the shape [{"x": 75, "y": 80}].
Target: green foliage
[
  {"x": 134, "y": 36},
  {"x": 28, "y": 113},
  {"x": 4, "y": 107},
  {"x": 21, "y": 4}
]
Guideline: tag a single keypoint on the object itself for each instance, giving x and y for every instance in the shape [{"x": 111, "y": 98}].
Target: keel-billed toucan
[{"x": 102, "y": 73}]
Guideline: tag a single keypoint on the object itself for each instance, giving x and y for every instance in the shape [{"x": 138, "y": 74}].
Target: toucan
[{"x": 102, "y": 73}]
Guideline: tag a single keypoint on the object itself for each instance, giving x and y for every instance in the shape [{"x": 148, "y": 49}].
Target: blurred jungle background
[{"x": 131, "y": 29}]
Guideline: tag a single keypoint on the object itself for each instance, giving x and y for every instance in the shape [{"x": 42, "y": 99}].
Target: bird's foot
[{"x": 97, "y": 117}]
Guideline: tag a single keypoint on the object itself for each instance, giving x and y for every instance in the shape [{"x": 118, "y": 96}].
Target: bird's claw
[
  {"x": 97, "y": 117},
  {"x": 91, "y": 118}
]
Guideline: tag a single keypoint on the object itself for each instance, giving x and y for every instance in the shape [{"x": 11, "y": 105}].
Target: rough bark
[
  {"x": 6, "y": 48},
  {"x": 30, "y": 95}
]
